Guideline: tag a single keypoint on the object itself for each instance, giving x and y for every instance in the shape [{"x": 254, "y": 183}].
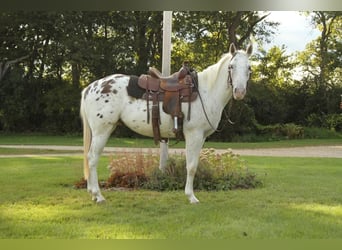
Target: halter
[{"x": 230, "y": 69}]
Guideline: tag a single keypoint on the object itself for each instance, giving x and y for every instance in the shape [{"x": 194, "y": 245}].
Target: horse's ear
[
  {"x": 232, "y": 49},
  {"x": 249, "y": 50}
]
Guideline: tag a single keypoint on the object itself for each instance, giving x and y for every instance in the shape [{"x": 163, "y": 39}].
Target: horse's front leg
[{"x": 194, "y": 143}]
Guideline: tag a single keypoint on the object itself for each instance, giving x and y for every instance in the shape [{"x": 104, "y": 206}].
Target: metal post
[{"x": 166, "y": 69}]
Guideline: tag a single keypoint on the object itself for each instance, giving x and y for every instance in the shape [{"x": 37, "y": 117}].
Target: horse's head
[{"x": 239, "y": 70}]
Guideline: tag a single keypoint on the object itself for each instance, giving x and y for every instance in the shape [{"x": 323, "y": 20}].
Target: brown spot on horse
[
  {"x": 106, "y": 87},
  {"x": 87, "y": 92}
]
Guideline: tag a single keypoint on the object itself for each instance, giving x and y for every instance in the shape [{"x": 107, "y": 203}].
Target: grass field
[
  {"x": 148, "y": 142},
  {"x": 301, "y": 199}
]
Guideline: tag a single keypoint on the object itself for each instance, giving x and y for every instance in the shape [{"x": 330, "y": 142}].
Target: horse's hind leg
[
  {"x": 97, "y": 144},
  {"x": 194, "y": 142}
]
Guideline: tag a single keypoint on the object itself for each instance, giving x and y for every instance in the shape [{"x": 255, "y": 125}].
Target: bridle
[
  {"x": 193, "y": 74},
  {"x": 230, "y": 79},
  {"x": 230, "y": 69},
  {"x": 230, "y": 84}
]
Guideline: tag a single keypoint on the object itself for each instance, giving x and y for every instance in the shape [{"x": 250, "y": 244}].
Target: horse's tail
[{"x": 87, "y": 137}]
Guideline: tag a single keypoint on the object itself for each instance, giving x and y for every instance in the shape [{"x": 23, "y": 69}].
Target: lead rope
[{"x": 195, "y": 80}]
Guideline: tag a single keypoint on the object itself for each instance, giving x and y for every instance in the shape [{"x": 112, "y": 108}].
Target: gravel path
[{"x": 312, "y": 151}]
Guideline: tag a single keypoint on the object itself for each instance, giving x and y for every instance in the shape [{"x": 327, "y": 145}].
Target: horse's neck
[{"x": 213, "y": 84}]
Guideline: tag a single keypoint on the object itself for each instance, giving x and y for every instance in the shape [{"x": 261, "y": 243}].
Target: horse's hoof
[
  {"x": 194, "y": 200},
  {"x": 98, "y": 198},
  {"x": 100, "y": 201}
]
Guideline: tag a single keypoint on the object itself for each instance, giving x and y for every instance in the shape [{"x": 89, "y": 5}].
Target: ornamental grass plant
[{"x": 216, "y": 171}]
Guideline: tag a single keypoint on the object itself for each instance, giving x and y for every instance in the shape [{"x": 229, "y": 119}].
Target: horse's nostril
[{"x": 239, "y": 93}]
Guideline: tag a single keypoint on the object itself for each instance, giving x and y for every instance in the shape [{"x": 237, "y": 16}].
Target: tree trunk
[
  {"x": 232, "y": 24},
  {"x": 76, "y": 73},
  {"x": 141, "y": 40}
]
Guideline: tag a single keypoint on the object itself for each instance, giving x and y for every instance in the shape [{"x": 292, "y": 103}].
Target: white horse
[{"x": 105, "y": 102}]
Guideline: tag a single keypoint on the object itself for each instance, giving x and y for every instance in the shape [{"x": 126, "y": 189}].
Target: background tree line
[{"x": 47, "y": 58}]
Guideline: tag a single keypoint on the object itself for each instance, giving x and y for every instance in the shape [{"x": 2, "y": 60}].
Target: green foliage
[
  {"x": 201, "y": 37},
  {"x": 172, "y": 179},
  {"x": 225, "y": 171},
  {"x": 333, "y": 122},
  {"x": 62, "y": 109},
  {"x": 287, "y": 131},
  {"x": 215, "y": 172},
  {"x": 274, "y": 68},
  {"x": 321, "y": 133},
  {"x": 39, "y": 105},
  {"x": 237, "y": 120},
  {"x": 268, "y": 104},
  {"x": 322, "y": 58},
  {"x": 330, "y": 121},
  {"x": 21, "y": 106},
  {"x": 267, "y": 93},
  {"x": 65, "y": 51}
]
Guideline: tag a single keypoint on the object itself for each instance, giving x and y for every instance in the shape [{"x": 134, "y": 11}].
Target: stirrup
[{"x": 175, "y": 124}]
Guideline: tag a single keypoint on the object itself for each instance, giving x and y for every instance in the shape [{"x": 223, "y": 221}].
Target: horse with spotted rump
[{"x": 106, "y": 101}]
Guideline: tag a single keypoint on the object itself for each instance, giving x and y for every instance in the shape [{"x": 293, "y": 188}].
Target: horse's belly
[{"x": 134, "y": 116}]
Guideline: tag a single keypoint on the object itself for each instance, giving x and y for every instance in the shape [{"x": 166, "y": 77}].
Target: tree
[
  {"x": 274, "y": 67},
  {"x": 202, "y": 37},
  {"x": 269, "y": 86},
  {"x": 68, "y": 50},
  {"x": 321, "y": 63},
  {"x": 329, "y": 24}
]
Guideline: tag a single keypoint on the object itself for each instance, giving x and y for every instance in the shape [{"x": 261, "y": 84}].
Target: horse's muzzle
[{"x": 239, "y": 93}]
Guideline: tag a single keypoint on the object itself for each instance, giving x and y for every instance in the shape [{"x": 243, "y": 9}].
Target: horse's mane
[{"x": 211, "y": 72}]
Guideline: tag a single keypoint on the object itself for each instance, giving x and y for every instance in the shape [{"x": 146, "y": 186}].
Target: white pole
[
  {"x": 167, "y": 30},
  {"x": 166, "y": 68}
]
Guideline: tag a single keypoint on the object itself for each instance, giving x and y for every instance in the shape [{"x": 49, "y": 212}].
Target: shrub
[
  {"x": 333, "y": 122},
  {"x": 129, "y": 170},
  {"x": 215, "y": 172},
  {"x": 292, "y": 131},
  {"x": 173, "y": 178},
  {"x": 320, "y": 133},
  {"x": 224, "y": 171},
  {"x": 328, "y": 121},
  {"x": 288, "y": 131}
]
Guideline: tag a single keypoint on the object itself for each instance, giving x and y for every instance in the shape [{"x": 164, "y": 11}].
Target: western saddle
[{"x": 172, "y": 91}]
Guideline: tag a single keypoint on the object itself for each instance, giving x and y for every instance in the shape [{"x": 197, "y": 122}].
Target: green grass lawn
[
  {"x": 148, "y": 142},
  {"x": 301, "y": 199},
  {"x": 32, "y": 151}
]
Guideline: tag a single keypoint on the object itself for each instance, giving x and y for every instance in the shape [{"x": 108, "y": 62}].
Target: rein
[{"x": 193, "y": 74}]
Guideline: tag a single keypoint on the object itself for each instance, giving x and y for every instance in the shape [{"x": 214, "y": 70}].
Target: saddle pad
[{"x": 133, "y": 88}]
